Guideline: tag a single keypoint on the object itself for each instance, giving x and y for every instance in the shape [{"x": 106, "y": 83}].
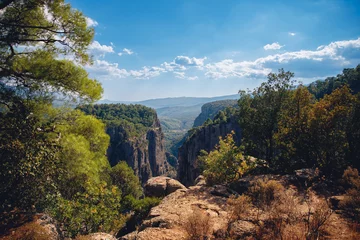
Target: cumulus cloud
[
  {"x": 97, "y": 49},
  {"x": 333, "y": 52},
  {"x": 91, "y": 22},
  {"x": 183, "y": 62},
  {"x": 292, "y": 33},
  {"x": 126, "y": 51},
  {"x": 147, "y": 72},
  {"x": 106, "y": 70},
  {"x": 273, "y": 46}
]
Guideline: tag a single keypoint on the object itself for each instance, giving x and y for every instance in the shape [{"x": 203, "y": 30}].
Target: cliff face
[
  {"x": 144, "y": 154},
  {"x": 205, "y": 138}
]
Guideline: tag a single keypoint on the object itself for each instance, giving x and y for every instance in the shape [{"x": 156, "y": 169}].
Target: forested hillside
[{"x": 209, "y": 110}]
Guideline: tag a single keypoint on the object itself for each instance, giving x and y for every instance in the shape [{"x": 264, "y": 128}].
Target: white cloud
[
  {"x": 182, "y": 75},
  {"x": 182, "y": 62},
  {"x": 147, "y": 72},
  {"x": 259, "y": 67},
  {"x": 292, "y": 33},
  {"x": 91, "y": 22},
  {"x": 106, "y": 70},
  {"x": 273, "y": 46},
  {"x": 126, "y": 51},
  {"x": 97, "y": 49}
]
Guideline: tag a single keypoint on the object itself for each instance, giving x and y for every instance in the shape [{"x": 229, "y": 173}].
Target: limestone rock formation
[
  {"x": 206, "y": 138},
  {"x": 166, "y": 221},
  {"x": 144, "y": 154},
  {"x": 161, "y": 186}
]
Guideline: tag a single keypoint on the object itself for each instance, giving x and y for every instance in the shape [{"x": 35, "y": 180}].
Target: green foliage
[
  {"x": 124, "y": 178},
  {"x": 224, "y": 164},
  {"x": 134, "y": 119},
  {"x": 350, "y": 76},
  {"x": 96, "y": 210},
  {"x": 210, "y": 110},
  {"x": 28, "y": 153},
  {"x": 260, "y": 111}
]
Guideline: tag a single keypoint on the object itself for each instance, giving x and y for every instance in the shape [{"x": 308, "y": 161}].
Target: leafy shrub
[
  {"x": 98, "y": 209},
  {"x": 124, "y": 178},
  {"x": 224, "y": 164},
  {"x": 197, "y": 225}
]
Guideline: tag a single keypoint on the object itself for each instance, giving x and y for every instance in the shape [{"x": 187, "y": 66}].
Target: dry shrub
[
  {"x": 317, "y": 218},
  {"x": 239, "y": 207},
  {"x": 351, "y": 178},
  {"x": 263, "y": 193},
  {"x": 197, "y": 225},
  {"x": 29, "y": 231}
]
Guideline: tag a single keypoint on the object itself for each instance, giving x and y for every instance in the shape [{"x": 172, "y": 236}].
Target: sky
[{"x": 203, "y": 48}]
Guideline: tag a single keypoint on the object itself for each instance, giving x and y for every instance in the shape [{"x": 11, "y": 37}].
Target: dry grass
[
  {"x": 197, "y": 225},
  {"x": 29, "y": 231},
  {"x": 263, "y": 193},
  {"x": 239, "y": 207}
]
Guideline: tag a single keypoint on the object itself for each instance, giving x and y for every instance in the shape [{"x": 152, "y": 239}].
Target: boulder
[
  {"x": 335, "y": 201},
  {"x": 100, "y": 236},
  {"x": 242, "y": 229},
  {"x": 162, "y": 186},
  {"x": 200, "y": 181},
  {"x": 222, "y": 191}
]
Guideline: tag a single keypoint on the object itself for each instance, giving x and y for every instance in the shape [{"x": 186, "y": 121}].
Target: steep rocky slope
[
  {"x": 204, "y": 138},
  {"x": 145, "y": 154},
  {"x": 135, "y": 137}
]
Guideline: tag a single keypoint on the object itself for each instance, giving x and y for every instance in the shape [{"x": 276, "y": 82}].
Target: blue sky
[{"x": 172, "y": 48}]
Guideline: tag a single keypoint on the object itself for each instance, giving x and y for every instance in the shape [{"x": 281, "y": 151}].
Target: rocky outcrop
[
  {"x": 145, "y": 154},
  {"x": 161, "y": 186},
  {"x": 205, "y": 138},
  {"x": 167, "y": 220}
]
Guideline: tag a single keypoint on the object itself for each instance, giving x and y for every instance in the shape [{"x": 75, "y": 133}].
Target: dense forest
[
  {"x": 292, "y": 126},
  {"x": 135, "y": 119}
]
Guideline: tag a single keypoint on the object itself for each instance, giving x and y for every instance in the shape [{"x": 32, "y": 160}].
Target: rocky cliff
[
  {"x": 145, "y": 154},
  {"x": 205, "y": 138},
  {"x": 135, "y": 137}
]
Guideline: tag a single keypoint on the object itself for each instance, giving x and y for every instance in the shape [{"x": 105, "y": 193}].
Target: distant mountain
[
  {"x": 209, "y": 110},
  {"x": 174, "y": 102}
]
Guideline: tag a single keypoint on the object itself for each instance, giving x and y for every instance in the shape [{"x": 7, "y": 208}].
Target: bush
[
  {"x": 224, "y": 164},
  {"x": 351, "y": 203},
  {"x": 239, "y": 207},
  {"x": 96, "y": 210},
  {"x": 263, "y": 193},
  {"x": 30, "y": 231},
  {"x": 197, "y": 225}
]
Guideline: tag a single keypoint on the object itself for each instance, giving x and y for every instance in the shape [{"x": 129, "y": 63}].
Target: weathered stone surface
[
  {"x": 167, "y": 220},
  {"x": 100, "y": 236},
  {"x": 242, "y": 229},
  {"x": 200, "y": 181},
  {"x": 144, "y": 154},
  {"x": 335, "y": 201},
  {"x": 206, "y": 138},
  {"x": 161, "y": 186},
  {"x": 222, "y": 191}
]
